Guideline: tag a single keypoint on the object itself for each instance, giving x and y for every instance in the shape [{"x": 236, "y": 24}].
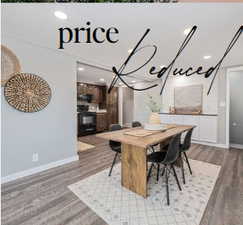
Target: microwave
[{"x": 85, "y": 97}]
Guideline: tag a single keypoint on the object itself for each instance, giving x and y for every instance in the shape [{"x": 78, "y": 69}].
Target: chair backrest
[
  {"x": 114, "y": 127},
  {"x": 136, "y": 124},
  {"x": 173, "y": 150},
  {"x": 187, "y": 141}
]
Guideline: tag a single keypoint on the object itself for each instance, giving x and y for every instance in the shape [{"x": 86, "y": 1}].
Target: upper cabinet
[
  {"x": 112, "y": 106},
  {"x": 96, "y": 91}
]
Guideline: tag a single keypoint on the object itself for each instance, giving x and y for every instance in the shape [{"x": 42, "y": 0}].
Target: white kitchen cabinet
[
  {"x": 164, "y": 118},
  {"x": 193, "y": 120},
  {"x": 208, "y": 128},
  {"x": 206, "y": 125},
  {"x": 177, "y": 119}
]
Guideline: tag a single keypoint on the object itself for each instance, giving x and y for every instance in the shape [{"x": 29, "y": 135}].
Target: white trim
[
  {"x": 227, "y": 107},
  {"x": 238, "y": 146},
  {"x": 37, "y": 169},
  {"x": 223, "y": 146},
  {"x": 232, "y": 69}
]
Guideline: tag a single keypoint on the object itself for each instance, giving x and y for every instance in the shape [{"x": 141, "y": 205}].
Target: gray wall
[
  {"x": 222, "y": 106},
  {"x": 51, "y": 132},
  {"x": 128, "y": 105},
  {"x": 236, "y": 107}
]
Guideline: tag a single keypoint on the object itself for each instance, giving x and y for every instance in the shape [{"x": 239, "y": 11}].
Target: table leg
[{"x": 134, "y": 169}]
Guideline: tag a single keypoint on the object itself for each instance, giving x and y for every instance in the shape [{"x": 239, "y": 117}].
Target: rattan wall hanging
[
  {"x": 9, "y": 64},
  {"x": 27, "y": 92}
]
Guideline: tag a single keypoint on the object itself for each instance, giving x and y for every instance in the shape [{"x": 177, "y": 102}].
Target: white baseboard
[
  {"x": 37, "y": 169},
  {"x": 238, "y": 146},
  {"x": 211, "y": 144}
]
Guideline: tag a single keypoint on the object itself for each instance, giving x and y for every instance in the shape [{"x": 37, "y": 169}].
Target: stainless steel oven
[{"x": 86, "y": 123}]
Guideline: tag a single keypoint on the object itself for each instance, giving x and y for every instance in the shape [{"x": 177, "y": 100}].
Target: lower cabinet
[
  {"x": 101, "y": 122},
  {"x": 206, "y": 126}
]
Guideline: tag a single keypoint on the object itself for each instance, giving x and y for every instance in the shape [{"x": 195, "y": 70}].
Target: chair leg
[
  {"x": 187, "y": 161},
  {"x": 113, "y": 163},
  {"x": 152, "y": 148},
  {"x": 167, "y": 186},
  {"x": 175, "y": 175},
  {"x": 158, "y": 169},
  {"x": 163, "y": 172},
  {"x": 150, "y": 170},
  {"x": 182, "y": 171}
]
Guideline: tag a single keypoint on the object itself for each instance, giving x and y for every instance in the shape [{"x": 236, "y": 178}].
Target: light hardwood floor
[{"x": 44, "y": 199}]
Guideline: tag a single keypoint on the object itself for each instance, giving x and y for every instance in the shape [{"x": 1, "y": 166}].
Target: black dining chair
[
  {"x": 168, "y": 159},
  {"x": 136, "y": 124},
  {"x": 183, "y": 149},
  {"x": 114, "y": 145}
]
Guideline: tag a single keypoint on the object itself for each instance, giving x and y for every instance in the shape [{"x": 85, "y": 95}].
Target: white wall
[
  {"x": 212, "y": 104},
  {"x": 51, "y": 132},
  {"x": 209, "y": 101},
  {"x": 222, "y": 106},
  {"x": 141, "y": 110}
]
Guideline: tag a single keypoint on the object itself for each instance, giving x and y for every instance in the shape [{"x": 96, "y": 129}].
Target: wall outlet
[{"x": 35, "y": 157}]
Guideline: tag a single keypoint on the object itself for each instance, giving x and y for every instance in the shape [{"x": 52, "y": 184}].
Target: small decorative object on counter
[
  {"x": 155, "y": 108},
  {"x": 27, "y": 92},
  {"x": 172, "y": 109},
  {"x": 9, "y": 64}
]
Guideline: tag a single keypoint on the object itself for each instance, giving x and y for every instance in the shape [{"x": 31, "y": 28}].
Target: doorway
[{"x": 235, "y": 107}]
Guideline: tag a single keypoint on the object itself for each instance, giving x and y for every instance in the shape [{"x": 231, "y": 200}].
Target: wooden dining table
[{"x": 134, "y": 152}]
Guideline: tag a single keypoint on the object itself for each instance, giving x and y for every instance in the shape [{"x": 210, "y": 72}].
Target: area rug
[
  {"x": 83, "y": 146},
  {"x": 118, "y": 206}
]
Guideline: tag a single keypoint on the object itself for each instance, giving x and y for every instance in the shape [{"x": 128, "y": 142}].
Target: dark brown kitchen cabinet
[
  {"x": 112, "y": 106},
  {"x": 101, "y": 122},
  {"x": 106, "y": 101},
  {"x": 95, "y": 93},
  {"x": 81, "y": 88}
]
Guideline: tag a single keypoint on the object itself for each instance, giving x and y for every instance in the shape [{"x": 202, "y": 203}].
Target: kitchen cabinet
[
  {"x": 101, "y": 122},
  {"x": 112, "y": 106},
  {"x": 96, "y": 91},
  {"x": 81, "y": 88},
  {"x": 193, "y": 120},
  {"x": 206, "y": 125},
  {"x": 208, "y": 129},
  {"x": 106, "y": 101}
]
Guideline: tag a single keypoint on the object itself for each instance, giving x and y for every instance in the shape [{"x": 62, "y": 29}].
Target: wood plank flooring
[{"x": 44, "y": 199}]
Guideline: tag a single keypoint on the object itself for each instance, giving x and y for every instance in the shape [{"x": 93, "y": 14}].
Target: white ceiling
[{"x": 216, "y": 23}]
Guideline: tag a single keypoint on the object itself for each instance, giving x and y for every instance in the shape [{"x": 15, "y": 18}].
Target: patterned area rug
[
  {"x": 119, "y": 206},
  {"x": 83, "y": 146}
]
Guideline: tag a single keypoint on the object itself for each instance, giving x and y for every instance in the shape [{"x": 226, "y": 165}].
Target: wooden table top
[{"x": 143, "y": 142}]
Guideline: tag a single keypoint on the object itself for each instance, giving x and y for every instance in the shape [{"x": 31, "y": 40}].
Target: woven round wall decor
[
  {"x": 9, "y": 64},
  {"x": 27, "y": 92}
]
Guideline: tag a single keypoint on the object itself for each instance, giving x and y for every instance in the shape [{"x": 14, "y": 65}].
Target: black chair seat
[
  {"x": 156, "y": 157},
  {"x": 136, "y": 124},
  {"x": 181, "y": 147}
]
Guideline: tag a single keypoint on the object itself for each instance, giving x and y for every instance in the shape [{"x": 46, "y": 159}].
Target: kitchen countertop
[
  {"x": 96, "y": 111},
  {"x": 202, "y": 114},
  {"x": 100, "y": 111}
]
